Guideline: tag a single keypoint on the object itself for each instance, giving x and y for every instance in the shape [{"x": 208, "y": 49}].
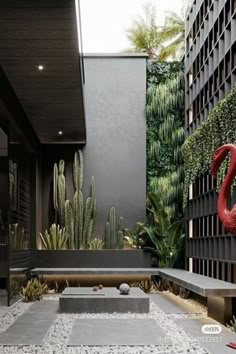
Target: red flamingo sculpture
[{"x": 227, "y": 216}]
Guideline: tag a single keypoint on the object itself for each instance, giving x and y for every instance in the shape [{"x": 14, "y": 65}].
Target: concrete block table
[{"x": 106, "y": 300}]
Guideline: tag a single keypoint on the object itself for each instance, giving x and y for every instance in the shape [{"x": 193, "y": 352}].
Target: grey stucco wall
[{"x": 115, "y": 98}]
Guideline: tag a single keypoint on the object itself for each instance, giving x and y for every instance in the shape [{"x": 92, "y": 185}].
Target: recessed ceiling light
[
  {"x": 40, "y": 67},
  {"x": 60, "y": 132}
]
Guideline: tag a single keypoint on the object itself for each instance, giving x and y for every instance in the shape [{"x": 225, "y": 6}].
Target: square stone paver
[
  {"x": 214, "y": 343},
  {"x": 117, "y": 332},
  {"x": 172, "y": 304},
  {"x": 32, "y": 326}
]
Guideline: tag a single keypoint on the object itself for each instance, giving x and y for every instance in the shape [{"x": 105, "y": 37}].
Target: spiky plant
[
  {"x": 96, "y": 244},
  {"x": 33, "y": 291},
  {"x": 55, "y": 239}
]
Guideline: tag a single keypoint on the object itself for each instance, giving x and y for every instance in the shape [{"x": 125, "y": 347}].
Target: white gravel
[{"x": 58, "y": 335}]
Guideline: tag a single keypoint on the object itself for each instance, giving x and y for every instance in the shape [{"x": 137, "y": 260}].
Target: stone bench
[
  {"x": 95, "y": 271},
  {"x": 220, "y": 294}
]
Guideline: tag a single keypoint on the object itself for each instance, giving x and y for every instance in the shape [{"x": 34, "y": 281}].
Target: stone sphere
[
  {"x": 124, "y": 289},
  {"x": 95, "y": 288},
  {"x": 100, "y": 286}
]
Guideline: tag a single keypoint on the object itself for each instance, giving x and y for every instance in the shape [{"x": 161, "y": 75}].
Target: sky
[{"x": 104, "y": 22}]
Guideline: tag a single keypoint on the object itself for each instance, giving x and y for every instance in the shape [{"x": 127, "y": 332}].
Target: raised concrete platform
[{"x": 108, "y": 300}]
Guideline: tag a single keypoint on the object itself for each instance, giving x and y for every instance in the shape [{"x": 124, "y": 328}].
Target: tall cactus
[
  {"x": 69, "y": 224},
  {"x": 78, "y": 205},
  {"x": 83, "y": 216},
  {"x": 78, "y": 170},
  {"x": 55, "y": 183},
  {"x": 120, "y": 235},
  {"x": 120, "y": 240},
  {"x": 108, "y": 236},
  {"x": 113, "y": 221},
  {"x": 61, "y": 190},
  {"x": 88, "y": 222},
  {"x": 114, "y": 231}
]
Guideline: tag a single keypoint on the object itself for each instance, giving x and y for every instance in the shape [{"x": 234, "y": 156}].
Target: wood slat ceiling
[{"x": 44, "y": 32}]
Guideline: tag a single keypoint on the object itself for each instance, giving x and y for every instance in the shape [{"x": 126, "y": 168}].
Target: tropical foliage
[
  {"x": 165, "y": 136},
  {"x": 199, "y": 147},
  {"x": 134, "y": 236},
  {"x": 166, "y": 237},
  {"x": 173, "y": 34},
  {"x": 160, "y": 43},
  {"x": 144, "y": 33}
]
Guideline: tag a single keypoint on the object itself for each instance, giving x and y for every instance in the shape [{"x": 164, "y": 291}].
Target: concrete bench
[
  {"x": 95, "y": 271},
  {"x": 220, "y": 294}
]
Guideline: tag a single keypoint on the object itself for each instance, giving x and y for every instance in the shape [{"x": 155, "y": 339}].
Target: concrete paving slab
[
  {"x": 214, "y": 343},
  {"x": 117, "y": 332},
  {"x": 32, "y": 326},
  {"x": 170, "y": 303}
]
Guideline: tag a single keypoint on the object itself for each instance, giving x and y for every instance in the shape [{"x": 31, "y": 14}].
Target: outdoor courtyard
[
  {"x": 117, "y": 176},
  {"x": 173, "y": 326}
]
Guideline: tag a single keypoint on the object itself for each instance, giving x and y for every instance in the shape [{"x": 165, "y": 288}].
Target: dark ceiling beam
[{"x": 17, "y": 115}]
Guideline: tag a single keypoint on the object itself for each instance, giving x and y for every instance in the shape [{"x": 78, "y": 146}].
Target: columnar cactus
[
  {"x": 55, "y": 183},
  {"x": 78, "y": 169},
  {"x": 69, "y": 224},
  {"x": 114, "y": 231},
  {"x": 83, "y": 216},
  {"x": 61, "y": 190},
  {"x": 78, "y": 205},
  {"x": 88, "y": 222},
  {"x": 108, "y": 235}
]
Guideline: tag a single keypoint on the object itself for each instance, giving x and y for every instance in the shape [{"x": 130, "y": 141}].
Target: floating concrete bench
[
  {"x": 109, "y": 300},
  {"x": 95, "y": 271},
  {"x": 219, "y": 293}
]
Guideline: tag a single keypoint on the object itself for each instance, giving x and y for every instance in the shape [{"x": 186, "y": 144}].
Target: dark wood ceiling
[{"x": 44, "y": 32}]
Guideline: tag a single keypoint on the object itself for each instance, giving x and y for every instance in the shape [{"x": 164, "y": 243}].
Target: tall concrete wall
[{"x": 115, "y": 98}]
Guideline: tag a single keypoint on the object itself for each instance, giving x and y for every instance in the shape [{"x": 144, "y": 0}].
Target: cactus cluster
[
  {"x": 114, "y": 231},
  {"x": 77, "y": 218},
  {"x": 33, "y": 291}
]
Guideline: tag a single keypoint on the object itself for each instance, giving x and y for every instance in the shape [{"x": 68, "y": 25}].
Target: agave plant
[
  {"x": 33, "y": 291},
  {"x": 55, "y": 239},
  {"x": 96, "y": 244},
  {"x": 167, "y": 237}
]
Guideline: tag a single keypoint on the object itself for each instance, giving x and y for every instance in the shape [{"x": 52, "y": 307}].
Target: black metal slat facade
[{"x": 210, "y": 72}]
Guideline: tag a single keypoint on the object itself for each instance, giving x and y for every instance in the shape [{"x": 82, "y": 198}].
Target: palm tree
[
  {"x": 144, "y": 33},
  {"x": 173, "y": 33}
]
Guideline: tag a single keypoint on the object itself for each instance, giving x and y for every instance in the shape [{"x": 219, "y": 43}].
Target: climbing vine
[{"x": 198, "y": 148}]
